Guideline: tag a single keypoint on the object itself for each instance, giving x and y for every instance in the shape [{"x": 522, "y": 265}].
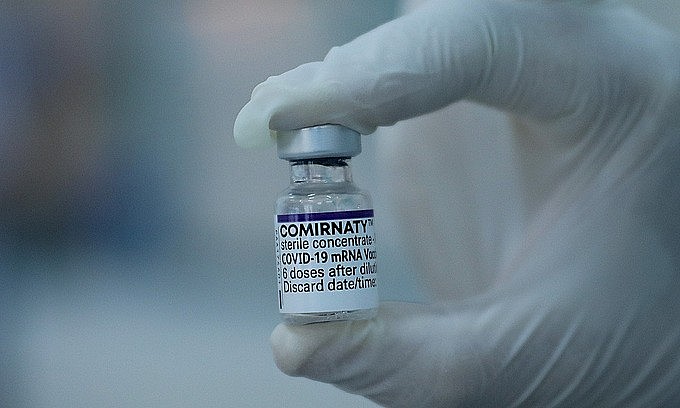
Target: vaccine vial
[{"x": 325, "y": 243}]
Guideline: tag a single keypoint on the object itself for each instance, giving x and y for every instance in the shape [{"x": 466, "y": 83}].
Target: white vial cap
[{"x": 317, "y": 142}]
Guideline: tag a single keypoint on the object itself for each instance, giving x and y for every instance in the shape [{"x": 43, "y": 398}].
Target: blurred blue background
[{"x": 136, "y": 247}]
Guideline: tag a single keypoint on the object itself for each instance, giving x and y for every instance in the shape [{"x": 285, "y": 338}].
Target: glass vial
[{"x": 325, "y": 243}]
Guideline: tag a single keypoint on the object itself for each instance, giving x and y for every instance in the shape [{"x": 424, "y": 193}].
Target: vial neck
[{"x": 322, "y": 171}]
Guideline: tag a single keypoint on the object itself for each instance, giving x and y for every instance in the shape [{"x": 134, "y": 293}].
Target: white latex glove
[{"x": 584, "y": 309}]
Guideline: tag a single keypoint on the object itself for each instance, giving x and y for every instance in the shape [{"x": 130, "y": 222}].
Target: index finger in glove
[{"x": 544, "y": 60}]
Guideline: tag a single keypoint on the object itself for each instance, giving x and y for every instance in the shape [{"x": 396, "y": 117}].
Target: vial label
[{"x": 326, "y": 262}]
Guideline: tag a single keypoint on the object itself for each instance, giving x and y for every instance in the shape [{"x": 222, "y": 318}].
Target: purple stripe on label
[{"x": 324, "y": 216}]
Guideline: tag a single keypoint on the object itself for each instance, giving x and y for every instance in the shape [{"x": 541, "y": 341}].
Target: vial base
[{"x": 309, "y": 318}]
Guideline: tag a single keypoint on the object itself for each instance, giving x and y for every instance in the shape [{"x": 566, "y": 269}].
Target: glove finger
[
  {"x": 251, "y": 128},
  {"x": 379, "y": 78},
  {"x": 544, "y": 60},
  {"x": 401, "y": 358}
]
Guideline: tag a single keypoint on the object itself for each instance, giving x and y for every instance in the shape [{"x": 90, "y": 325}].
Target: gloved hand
[{"x": 584, "y": 307}]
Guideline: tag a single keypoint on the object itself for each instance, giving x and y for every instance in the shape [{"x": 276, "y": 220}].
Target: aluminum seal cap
[{"x": 317, "y": 142}]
